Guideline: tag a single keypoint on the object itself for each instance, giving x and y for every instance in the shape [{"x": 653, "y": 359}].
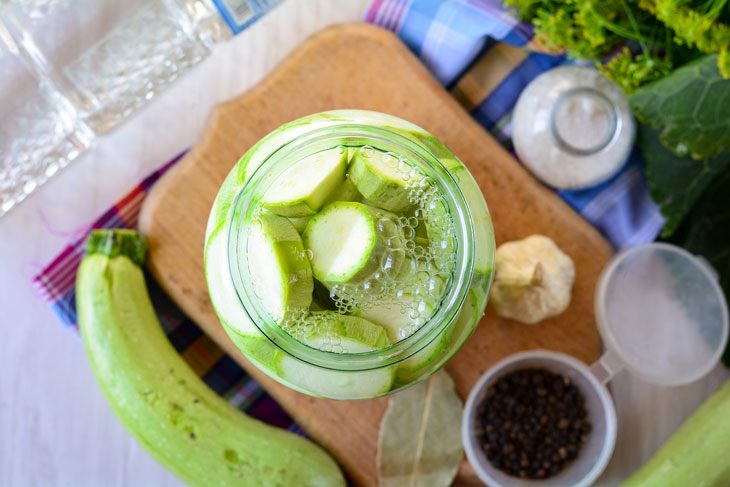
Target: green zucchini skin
[
  {"x": 697, "y": 454},
  {"x": 181, "y": 422}
]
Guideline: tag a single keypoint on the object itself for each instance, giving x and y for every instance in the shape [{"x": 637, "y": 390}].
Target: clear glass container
[
  {"x": 572, "y": 127},
  {"x": 75, "y": 69},
  {"x": 347, "y": 375},
  {"x": 40, "y": 131},
  {"x": 108, "y": 57}
]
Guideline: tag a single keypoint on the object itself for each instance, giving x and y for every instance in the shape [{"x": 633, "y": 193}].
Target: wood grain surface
[{"x": 360, "y": 66}]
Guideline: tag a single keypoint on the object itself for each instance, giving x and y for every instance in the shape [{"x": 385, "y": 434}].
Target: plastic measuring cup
[{"x": 662, "y": 316}]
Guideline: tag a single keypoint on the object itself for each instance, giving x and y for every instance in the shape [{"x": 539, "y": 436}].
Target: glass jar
[
  {"x": 572, "y": 127},
  {"x": 328, "y": 373}
]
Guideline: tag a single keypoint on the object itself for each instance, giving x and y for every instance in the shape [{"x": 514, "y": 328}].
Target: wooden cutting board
[{"x": 361, "y": 66}]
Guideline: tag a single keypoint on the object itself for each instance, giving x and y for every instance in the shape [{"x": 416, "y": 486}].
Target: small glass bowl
[{"x": 595, "y": 453}]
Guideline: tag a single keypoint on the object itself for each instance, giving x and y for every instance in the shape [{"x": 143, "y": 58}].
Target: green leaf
[
  {"x": 675, "y": 182},
  {"x": 420, "y": 436},
  {"x": 690, "y": 107},
  {"x": 706, "y": 231}
]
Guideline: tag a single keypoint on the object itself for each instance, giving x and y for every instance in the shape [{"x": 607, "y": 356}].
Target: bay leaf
[{"x": 420, "y": 436}]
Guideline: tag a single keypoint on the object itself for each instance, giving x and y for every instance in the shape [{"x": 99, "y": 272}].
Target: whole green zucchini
[
  {"x": 697, "y": 454},
  {"x": 179, "y": 420}
]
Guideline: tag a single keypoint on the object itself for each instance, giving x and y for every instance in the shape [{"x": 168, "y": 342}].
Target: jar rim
[
  {"x": 316, "y": 140},
  {"x": 615, "y": 120}
]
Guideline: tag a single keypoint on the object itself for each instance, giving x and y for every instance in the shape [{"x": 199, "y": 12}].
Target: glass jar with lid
[{"x": 349, "y": 254}]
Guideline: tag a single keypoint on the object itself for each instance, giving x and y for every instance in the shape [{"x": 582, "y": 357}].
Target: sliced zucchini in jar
[
  {"x": 280, "y": 271},
  {"x": 349, "y": 334},
  {"x": 348, "y": 242},
  {"x": 300, "y": 222},
  {"x": 346, "y": 192},
  {"x": 411, "y": 368},
  {"x": 220, "y": 286},
  {"x": 382, "y": 178},
  {"x": 483, "y": 232},
  {"x": 400, "y": 317},
  {"x": 343, "y": 334},
  {"x": 303, "y": 188}
]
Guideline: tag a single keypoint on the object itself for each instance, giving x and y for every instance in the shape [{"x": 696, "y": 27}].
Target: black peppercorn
[{"x": 532, "y": 422}]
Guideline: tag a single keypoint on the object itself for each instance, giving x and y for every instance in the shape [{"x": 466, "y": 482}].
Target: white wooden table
[{"x": 55, "y": 427}]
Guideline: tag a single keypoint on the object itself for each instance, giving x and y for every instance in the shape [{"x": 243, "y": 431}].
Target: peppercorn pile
[{"x": 532, "y": 423}]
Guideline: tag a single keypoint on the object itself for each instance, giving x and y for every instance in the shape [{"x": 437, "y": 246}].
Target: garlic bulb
[{"x": 533, "y": 279}]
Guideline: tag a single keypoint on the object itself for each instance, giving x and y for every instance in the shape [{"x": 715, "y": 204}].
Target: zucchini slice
[
  {"x": 346, "y": 192},
  {"x": 411, "y": 368},
  {"x": 351, "y": 333},
  {"x": 300, "y": 222},
  {"x": 348, "y": 242},
  {"x": 347, "y": 334},
  {"x": 396, "y": 317},
  {"x": 382, "y": 178},
  {"x": 280, "y": 271},
  {"x": 305, "y": 186},
  {"x": 220, "y": 286},
  {"x": 483, "y": 231}
]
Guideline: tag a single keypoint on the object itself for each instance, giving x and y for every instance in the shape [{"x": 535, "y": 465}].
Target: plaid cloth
[
  {"x": 486, "y": 57},
  {"x": 477, "y": 50}
]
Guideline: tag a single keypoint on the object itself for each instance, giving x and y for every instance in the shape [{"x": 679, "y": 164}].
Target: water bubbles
[
  {"x": 388, "y": 226},
  {"x": 396, "y": 243},
  {"x": 377, "y": 287},
  {"x": 309, "y": 254},
  {"x": 391, "y": 159},
  {"x": 297, "y": 322},
  {"x": 423, "y": 263},
  {"x": 392, "y": 263},
  {"x": 436, "y": 286},
  {"x": 413, "y": 196},
  {"x": 367, "y": 151},
  {"x": 341, "y": 149}
]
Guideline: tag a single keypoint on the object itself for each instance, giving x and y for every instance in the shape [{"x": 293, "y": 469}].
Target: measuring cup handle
[{"x": 607, "y": 367}]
